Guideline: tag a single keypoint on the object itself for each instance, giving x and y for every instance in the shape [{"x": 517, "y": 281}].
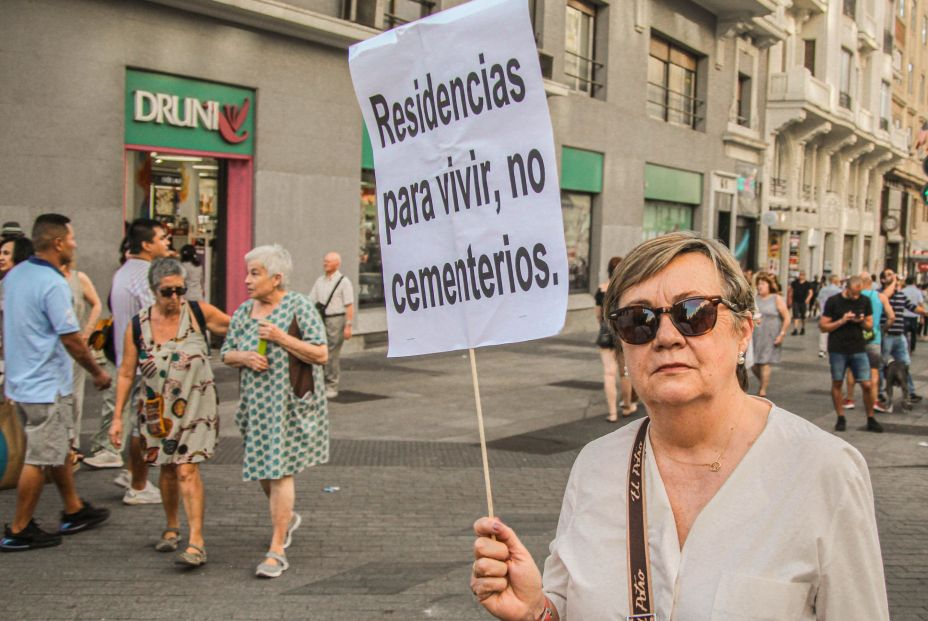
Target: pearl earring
[{"x": 740, "y": 357}]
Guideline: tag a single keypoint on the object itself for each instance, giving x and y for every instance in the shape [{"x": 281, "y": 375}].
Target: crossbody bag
[{"x": 641, "y": 601}]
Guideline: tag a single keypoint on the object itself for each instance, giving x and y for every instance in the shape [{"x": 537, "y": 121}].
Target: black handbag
[{"x": 604, "y": 339}]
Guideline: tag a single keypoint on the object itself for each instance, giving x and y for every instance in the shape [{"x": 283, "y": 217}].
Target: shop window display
[
  {"x": 370, "y": 268},
  {"x": 577, "y": 208}
]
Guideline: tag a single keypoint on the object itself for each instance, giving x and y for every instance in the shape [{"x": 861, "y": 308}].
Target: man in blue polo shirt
[{"x": 40, "y": 330}]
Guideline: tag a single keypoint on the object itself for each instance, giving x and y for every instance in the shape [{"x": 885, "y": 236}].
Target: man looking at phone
[{"x": 845, "y": 318}]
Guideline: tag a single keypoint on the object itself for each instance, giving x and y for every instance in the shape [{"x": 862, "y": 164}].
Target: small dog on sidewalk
[{"x": 897, "y": 374}]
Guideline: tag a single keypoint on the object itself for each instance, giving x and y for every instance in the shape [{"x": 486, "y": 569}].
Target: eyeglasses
[
  {"x": 637, "y": 325},
  {"x": 170, "y": 291}
]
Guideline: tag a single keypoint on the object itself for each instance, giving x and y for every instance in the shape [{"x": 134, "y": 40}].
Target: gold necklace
[{"x": 716, "y": 465}]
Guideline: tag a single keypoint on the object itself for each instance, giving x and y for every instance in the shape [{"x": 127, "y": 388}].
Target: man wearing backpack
[{"x": 334, "y": 299}]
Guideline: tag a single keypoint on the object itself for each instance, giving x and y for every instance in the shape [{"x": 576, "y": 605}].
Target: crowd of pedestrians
[
  {"x": 164, "y": 405},
  {"x": 867, "y": 329}
]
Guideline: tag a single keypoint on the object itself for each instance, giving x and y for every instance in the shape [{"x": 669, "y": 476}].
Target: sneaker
[
  {"x": 821, "y": 354},
  {"x": 802, "y": 332},
  {"x": 793, "y": 333},
  {"x": 150, "y": 495},
  {"x": 295, "y": 522},
  {"x": 879, "y": 406},
  {"x": 104, "y": 459},
  {"x": 123, "y": 479},
  {"x": 28, "y": 538},
  {"x": 874, "y": 426},
  {"x": 848, "y": 404},
  {"x": 331, "y": 393},
  {"x": 841, "y": 425},
  {"x": 915, "y": 398},
  {"x": 85, "y": 518}
]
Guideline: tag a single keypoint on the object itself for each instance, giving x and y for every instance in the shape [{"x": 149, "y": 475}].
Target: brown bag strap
[{"x": 641, "y": 604}]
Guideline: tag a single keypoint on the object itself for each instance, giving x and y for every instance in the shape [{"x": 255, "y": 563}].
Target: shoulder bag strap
[
  {"x": 332, "y": 295},
  {"x": 137, "y": 332},
  {"x": 201, "y": 321},
  {"x": 641, "y": 604}
]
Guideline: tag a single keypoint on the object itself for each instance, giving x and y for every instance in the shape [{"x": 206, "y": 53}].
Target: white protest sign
[{"x": 469, "y": 208}]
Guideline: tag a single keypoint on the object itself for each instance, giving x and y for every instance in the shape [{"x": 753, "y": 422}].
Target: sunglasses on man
[{"x": 695, "y": 316}]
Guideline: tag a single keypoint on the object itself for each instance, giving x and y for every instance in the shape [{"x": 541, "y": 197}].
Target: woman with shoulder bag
[
  {"x": 179, "y": 414},
  {"x": 283, "y": 414},
  {"x": 611, "y": 354}
]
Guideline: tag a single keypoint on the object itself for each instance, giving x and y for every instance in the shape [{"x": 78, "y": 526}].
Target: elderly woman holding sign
[
  {"x": 720, "y": 505},
  {"x": 278, "y": 341}
]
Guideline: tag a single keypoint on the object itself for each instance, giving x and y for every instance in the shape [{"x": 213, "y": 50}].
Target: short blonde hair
[
  {"x": 275, "y": 259},
  {"x": 654, "y": 255}
]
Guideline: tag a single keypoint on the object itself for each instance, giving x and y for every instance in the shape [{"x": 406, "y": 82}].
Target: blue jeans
[
  {"x": 858, "y": 363},
  {"x": 896, "y": 346}
]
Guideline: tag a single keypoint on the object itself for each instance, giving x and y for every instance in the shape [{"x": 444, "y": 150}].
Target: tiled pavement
[{"x": 394, "y": 541}]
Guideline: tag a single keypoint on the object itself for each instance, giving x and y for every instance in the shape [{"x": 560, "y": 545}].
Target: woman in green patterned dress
[
  {"x": 179, "y": 419},
  {"x": 283, "y": 432}
]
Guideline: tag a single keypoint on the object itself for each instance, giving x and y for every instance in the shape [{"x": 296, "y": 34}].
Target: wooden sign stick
[{"x": 483, "y": 437}]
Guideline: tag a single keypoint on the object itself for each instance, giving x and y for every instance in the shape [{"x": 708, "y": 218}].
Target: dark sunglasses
[
  {"x": 637, "y": 325},
  {"x": 169, "y": 291}
]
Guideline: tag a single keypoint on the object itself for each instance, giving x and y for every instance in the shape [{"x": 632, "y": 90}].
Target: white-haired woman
[
  {"x": 719, "y": 505},
  {"x": 179, "y": 420},
  {"x": 283, "y": 432}
]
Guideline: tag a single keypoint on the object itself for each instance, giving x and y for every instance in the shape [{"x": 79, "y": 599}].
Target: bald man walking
[{"x": 334, "y": 299}]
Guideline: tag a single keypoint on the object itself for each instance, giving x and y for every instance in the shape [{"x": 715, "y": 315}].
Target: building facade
[
  {"x": 830, "y": 139},
  {"x": 905, "y": 217},
  {"x": 762, "y": 122}
]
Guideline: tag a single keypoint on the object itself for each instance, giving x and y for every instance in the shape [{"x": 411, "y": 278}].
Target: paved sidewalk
[{"x": 394, "y": 541}]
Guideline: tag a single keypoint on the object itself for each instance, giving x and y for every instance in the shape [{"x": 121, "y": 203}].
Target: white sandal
[{"x": 272, "y": 570}]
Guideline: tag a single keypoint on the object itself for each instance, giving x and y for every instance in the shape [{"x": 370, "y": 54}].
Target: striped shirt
[
  {"x": 128, "y": 296},
  {"x": 900, "y": 304}
]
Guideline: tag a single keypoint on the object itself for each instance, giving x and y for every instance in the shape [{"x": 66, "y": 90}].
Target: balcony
[
  {"x": 740, "y": 9},
  {"x": 798, "y": 85},
  {"x": 865, "y": 120},
  {"x": 844, "y": 100},
  {"x": 899, "y": 139},
  {"x": 815, "y": 7},
  {"x": 778, "y": 186},
  {"x": 866, "y": 34}
]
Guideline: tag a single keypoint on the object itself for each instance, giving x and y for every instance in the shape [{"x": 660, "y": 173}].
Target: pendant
[{"x": 715, "y": 466}]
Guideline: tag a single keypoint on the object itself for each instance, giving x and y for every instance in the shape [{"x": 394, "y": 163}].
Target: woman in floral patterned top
[
  {"x": 179, "y": 414},
  {"x": 283, "y": 432}
]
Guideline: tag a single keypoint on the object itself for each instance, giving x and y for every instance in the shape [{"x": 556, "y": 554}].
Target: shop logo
[
  {"x": 161, "y": 108},
  {"x": 231, "y": 120}
]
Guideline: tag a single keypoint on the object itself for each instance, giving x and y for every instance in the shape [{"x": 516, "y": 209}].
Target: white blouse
[{"x": 790, "y": 535}]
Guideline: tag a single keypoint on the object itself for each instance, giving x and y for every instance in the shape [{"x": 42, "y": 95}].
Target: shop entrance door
[{"x": 189, "y": 194}]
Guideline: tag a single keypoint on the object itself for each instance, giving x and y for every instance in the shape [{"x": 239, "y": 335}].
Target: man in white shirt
[
  {"x": 129, "y": 294},
  {"x": 334, "y": 299}
]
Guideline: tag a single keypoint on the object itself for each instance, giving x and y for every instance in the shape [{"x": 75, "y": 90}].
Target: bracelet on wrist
[{"x": 547, "y": 613}]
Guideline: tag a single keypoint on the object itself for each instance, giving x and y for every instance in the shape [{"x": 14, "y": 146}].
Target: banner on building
[{"x": 469, "y": 206}]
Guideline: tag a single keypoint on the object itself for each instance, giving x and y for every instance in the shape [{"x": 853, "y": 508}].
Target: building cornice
[{"x": 280, "y": 18}]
